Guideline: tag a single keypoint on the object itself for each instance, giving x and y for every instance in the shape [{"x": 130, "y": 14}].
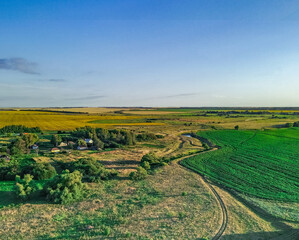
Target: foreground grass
[{"x": 171, "y": 203}]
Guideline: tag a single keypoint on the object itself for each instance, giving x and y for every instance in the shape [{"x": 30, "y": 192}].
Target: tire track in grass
[{"x": 215, "y": 193}]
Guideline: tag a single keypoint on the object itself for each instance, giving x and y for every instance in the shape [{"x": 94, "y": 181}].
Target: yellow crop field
[{"x": 57, "y": 121}]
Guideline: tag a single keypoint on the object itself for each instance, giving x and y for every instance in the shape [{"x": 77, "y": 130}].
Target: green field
[{"x": 259, "y": 163}]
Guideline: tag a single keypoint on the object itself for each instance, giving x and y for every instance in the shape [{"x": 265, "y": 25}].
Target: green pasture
[{"x": 264, "y": 164}]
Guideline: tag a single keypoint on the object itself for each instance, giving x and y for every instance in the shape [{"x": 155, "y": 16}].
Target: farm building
[
  {"x": 90, "y": 141},
  {"x": 34, "y": 147},
  {"x": 82, "y": 148},
  {"x": 62, "y": 144},
  {"x": 55, "y": 150}
]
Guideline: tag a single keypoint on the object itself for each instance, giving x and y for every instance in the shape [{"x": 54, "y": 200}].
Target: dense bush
[
  {"x": 9, "y": 170},
  {"x": 22, "y": 144},
  {"x": 151, "y": 159},
  {"x": 289, "y": 125},
  {"x": 56, "y": 140},
  {"x": 104, "y": 137},
  {"x": 146, "y": 137},
  {"x": 19, "y": 129},
  {"x": 295, "y": 124},
  {"x": 18, "y": 146},
  {"x": 140, "y": 174},
  {"x": 42, "y": 171},
  {"x": 25, "y": 187},
  {"x": 65, "y": 188},
  {"x": 91, "y": 169},
  {"x": 146, "y": 165},
  {"x": 21, "y": 167}
]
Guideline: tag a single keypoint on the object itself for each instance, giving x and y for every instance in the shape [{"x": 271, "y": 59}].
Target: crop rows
[{"x": 253, "y": 162}]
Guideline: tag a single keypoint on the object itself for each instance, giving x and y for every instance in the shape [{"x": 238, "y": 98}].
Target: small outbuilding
[
  {"x": 62, "y": 144},
  {"x": 88, "y": 141},
  {"x": 34, "y": 147},
  {"x": 55, "y": 150}
]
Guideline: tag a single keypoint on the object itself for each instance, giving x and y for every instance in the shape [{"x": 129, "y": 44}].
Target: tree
[
  {"x": 151, "y": 159},
  {"x": 139, "y": 175},
  {"x": 81, "y": 142},
  {"x": 237, "y": 127},
  {"x": 98, "y": 143},
  {"x": 24, "y": 187},
  {"x": 296, "y": 124},
  {"x": 205, "y": 146},
  {"x": 92, "y": 170},
  {"x": 146, "y": 165},
  {"x": 65, "y": 188},
  {"x": 42, "y": 171},
  {"x": 18, "y": 146},
  {"x": 55, "y": 140},
  {"x": 288, "y": 125},
  {"x": 30, "y": 139}
]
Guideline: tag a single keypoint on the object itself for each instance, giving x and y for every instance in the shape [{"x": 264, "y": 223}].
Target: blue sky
[{"x": 149, "y": 53}]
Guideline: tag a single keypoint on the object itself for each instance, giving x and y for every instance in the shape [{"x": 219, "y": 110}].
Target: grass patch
[{"x": 253, "y": 162}]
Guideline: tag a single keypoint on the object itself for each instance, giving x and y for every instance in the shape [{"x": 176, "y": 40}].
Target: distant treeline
[
  {"x": 19, "y": 129},
  {"x": 52, "y": 111},
  {"x": 220, "y": 113},
  {"x": 242, "y": 108},
  {"x": 7, "y": 109}
]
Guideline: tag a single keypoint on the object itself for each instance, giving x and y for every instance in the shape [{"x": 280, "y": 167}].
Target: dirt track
[{"x": 217, "y": 197}]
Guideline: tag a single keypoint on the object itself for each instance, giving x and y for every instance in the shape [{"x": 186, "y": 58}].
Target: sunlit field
[{"x": 61, "y": 121}]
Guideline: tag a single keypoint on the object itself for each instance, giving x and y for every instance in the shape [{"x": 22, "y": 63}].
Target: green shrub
[
  {"x": 152, "y": 159},
  {"x": 42, "y": 171},
  {"x": 146, "y": 165},
  {"x": 139, "y": 175},
  {"x": 205, "y": 146},
  {"x": 92, "y": 170},
  {"x": 24, "y": 187},
  {"x": 106, "y": 230},
  {"x": 65, "y": 188}
]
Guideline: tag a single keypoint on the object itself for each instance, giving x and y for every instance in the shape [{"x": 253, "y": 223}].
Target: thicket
[
  {"x": 25, "y": 187},
  {"x": 295, "y": 124},
  {"x": 104, "y": 138},
  {"x": 91, "y": 169},
  {"x": 22, "y": 144},
  {"x": 140, "y": 174},
  {"x": 146, "y": 137},
  {"x": 40, "y": 171},
  {"x": 19, "y": 129},
  {"x": 65, "y": 188}
]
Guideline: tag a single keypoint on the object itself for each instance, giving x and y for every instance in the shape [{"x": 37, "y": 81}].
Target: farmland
[
  {"x": 259, "y": 163},
  {"x": 62, "y": 121}
]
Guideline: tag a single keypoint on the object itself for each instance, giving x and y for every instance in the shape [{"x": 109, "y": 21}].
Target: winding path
[{"x": 217, "y": 196}]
